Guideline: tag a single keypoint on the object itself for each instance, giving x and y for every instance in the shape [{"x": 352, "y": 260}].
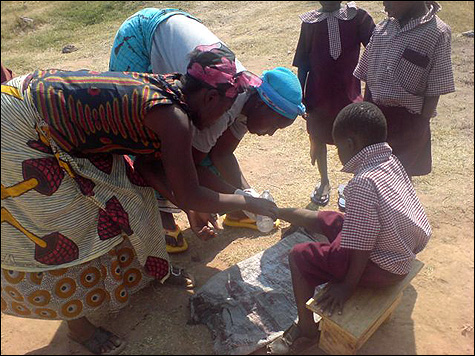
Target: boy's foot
[
  {"x": 321, "y": 194},
  {"x": 285, "y": 343}
]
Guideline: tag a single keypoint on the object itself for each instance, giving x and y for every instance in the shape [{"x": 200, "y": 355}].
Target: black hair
[
  {"x": 364, "y": 120},
  {"x": 191, "y": 85},
  {"x": 206, "y": 59}
]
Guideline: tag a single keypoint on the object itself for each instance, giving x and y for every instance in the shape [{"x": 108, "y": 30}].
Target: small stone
[
  {"x": 26, "y": 19},
  {"x": 69, "y": 48}
]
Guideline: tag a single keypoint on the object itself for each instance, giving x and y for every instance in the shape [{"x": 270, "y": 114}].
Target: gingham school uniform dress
[
  {"x": 329, "y": 47},
  {"x": 401, "y": 67},
  {"x": 383, "y": 215}
]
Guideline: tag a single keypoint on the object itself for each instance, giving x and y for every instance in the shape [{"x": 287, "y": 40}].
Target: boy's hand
[
  {"x": 335, "y": 297},
  {"x": 261, "y": 206}
]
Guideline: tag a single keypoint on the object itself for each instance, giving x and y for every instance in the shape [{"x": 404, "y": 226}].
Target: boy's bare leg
[
  {"x": 318, "y": 153},
  {"x": 302, "y": 292}
]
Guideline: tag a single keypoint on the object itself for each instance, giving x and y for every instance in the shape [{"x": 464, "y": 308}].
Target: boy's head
[
  {"x": 357, "y": 126},
  {"x": 330, "y": 6},
  {"x": 401, "y": 9}
]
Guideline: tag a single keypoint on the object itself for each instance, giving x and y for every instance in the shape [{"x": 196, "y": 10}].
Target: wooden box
[{"x": 362, "y": 314}]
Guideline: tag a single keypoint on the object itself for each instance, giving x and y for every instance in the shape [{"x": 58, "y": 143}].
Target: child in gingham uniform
[
  {"x": 374, "y": 243},
  {"x": 407, "y": 66},
  {"x": 328, "y": 51}
]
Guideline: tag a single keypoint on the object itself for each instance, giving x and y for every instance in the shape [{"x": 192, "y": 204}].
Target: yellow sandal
[
  {"x": 174, "y": 234},
  {"x": 246, "y": 222}
]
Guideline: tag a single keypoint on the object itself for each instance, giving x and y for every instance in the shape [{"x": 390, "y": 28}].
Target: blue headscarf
[{"x": 281, "y": 91}]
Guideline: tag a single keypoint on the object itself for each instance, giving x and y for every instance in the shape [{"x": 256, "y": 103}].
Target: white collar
[{"x": 345, "y": 13}]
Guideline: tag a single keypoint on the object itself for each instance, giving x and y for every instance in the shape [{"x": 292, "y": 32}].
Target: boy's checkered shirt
[
  {"x": 383, "y": 213},
  {"x": 403, "y": 66}
]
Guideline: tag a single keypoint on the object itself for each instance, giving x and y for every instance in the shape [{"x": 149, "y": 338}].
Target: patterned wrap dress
[{"x": 80, "y": 228}]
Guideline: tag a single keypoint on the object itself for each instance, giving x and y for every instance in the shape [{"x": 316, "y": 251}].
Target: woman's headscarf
[{"x": 215, "y": 66}]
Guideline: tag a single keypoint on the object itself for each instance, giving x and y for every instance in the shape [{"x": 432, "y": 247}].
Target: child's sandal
[{"x": 282, "y": 345}]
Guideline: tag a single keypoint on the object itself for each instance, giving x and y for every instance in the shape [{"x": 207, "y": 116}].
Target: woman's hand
[
  {"x": 200, "y": 224},
  {"x": 261, "y": 206}
]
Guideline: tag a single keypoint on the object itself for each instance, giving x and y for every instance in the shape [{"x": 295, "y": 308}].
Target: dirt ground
[{"x": 436, "y": 315}]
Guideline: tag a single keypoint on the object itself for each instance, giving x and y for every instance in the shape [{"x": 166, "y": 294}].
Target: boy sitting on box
[{"x": 377, "y": 239}]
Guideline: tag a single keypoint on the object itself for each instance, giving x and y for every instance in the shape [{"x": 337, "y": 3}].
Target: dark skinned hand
[
  {"x": 200, "y": 224},
  {"x": 335, "y": 297}
]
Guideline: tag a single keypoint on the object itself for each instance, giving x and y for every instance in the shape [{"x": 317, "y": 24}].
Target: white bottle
[{"x": 265, "y": 223}]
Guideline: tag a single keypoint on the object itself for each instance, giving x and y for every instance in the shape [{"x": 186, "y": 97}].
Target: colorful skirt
[
  {"x": 105, "y": 283},
  {"x": 66, "y": 214}
]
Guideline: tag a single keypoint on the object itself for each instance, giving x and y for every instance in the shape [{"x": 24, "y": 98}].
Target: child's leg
[
  {"x": 313, "y": 263},
  {"x": 303, "y": 291},
  {"x": 318, "y": 153},
  {"x": 321, "y": 158},
  {"x": 376, "y": 277}
]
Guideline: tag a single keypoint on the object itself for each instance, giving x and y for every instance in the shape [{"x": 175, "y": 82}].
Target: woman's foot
[
  {"x": 174, "y": 238},
  {"x": 96, "y": 339},
  {"x": 180, "y": 277},
  {"x": 236, "y": 216}
]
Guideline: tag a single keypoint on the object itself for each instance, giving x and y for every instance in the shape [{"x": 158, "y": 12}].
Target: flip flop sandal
[
  {"x": 179, "y": 277},
  {"x": 341, "y": 198},
  {"x": 282, "y": 345},
  {"x": 98, "y": 339},
  {"x": 246, "y": 222},
  {"x": 174, "y": 234},
  {"x": 318, "y": 199}
]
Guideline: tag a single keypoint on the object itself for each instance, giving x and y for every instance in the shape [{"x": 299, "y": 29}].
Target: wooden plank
[{"x": 367, "y": 305}]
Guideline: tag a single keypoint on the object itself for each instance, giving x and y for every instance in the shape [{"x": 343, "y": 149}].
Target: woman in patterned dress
[{"x": 80, "y": 225}]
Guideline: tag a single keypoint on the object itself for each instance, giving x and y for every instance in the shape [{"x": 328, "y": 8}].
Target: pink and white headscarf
[{"x": 215, "y": 66}]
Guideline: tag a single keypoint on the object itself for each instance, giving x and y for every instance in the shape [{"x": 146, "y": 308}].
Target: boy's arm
[
  {"x": 359, "y": 234},
  {"x": 302, "y": 73},
  {"x": 302, "y": 55},
  {"x": 300, "y": 217},
  {"x": 365, "y": 28},
  {"x": 430, "y": 104},
  {"x": 338, "y": 293}
]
